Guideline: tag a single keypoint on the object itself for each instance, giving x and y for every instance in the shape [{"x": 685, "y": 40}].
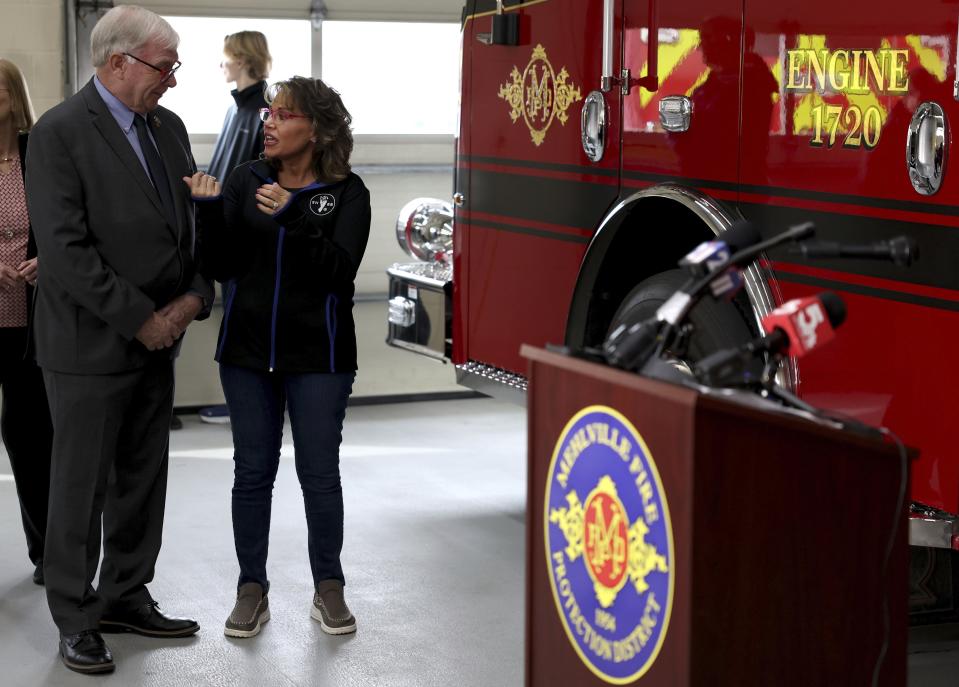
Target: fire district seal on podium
[{"x": 609, "y": 545}]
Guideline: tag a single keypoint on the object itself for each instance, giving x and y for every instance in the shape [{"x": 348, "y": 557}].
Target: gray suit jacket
[{"x": 107, "y": 256}]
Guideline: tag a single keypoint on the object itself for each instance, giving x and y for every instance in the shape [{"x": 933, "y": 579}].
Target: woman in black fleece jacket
[{"x": 286, "y": 236}]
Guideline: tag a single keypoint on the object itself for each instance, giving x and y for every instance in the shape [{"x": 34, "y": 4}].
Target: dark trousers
[
  {"x": 27, "y": 434},
  {"x": 110, "y": 452},
  {"x": 317, "y": 406}
]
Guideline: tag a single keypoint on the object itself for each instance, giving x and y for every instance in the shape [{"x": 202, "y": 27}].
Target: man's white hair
[{"x": 127, "y": 28}]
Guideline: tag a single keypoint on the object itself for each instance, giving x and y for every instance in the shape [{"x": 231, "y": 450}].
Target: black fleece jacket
[
  {"x": 241, "y": 138},
  {"x": 289, "y": 278}
]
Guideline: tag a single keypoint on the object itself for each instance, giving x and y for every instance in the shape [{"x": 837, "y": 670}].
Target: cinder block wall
[{"x": 31, "y": 36}]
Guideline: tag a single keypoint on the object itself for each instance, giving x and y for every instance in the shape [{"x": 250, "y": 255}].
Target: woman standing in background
[
  {"x": 24, "y": 416},
  {"x": 246, "y": 62}
]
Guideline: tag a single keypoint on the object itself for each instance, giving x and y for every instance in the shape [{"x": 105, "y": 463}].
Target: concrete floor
[
  {"x": 934, "y": 656},
  {"x": 435, "y": 499}
]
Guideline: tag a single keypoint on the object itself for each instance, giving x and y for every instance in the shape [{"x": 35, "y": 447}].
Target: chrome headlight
[{"x": 424, "y": 229}]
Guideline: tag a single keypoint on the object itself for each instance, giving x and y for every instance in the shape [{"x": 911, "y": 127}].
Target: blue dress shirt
[{"x": 124, "y": 118}]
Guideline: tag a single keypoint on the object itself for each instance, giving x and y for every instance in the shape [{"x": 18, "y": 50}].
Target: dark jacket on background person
[
  {"x": 288, "y": 297},
  {"x": 241, "y": 139},
  {"x": 25, "y": 422}
]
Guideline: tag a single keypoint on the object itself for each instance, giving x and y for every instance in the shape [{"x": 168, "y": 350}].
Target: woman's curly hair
[{"x": 331, "y": 123}]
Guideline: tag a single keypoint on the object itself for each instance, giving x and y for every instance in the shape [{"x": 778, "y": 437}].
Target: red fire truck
[{"x": 601, "y": 140}]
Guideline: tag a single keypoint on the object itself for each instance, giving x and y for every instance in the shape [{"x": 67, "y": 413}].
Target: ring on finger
[{"x": 275, "y": 205}]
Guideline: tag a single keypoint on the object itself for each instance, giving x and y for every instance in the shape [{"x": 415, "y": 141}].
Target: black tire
[{"x": 716, "y": 324}]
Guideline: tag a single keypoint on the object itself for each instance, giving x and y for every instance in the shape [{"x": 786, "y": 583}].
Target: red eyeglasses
[
  {"x": 279, "y": 114},
  {"x": 165, "y": 73}
]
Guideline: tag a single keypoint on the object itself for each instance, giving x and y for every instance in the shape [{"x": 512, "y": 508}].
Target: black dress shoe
[
  {"x": 176, "y": 422},
  {"x": 38, "y": 574},
  {"x": 86, "y": 652},
  {"x": 147, "y": 620}
]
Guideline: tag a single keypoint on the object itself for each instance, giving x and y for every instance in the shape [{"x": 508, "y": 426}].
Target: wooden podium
[{"x": 780, "y": 526}]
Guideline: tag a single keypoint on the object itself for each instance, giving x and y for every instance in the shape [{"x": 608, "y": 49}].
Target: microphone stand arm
[
  {"x": 788, "y": 399},
  {"x": 677, "y": 306}
]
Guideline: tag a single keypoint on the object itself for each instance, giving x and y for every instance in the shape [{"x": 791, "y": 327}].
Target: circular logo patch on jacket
[
  {"x": 322, "y": 204},
  {"x": 609, "y": 545}
]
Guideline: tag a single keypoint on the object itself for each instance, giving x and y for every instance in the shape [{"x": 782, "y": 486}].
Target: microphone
[
  {"x": 630, "y": 345},
  {"x": 805, "y": 323},
  {"x": 901, "y": 250},
  {"x": 727, "y": 285},
  {"x": 795, "y": 328},
  {"x": 710, "y": 254},
  {"x": 679, "y": 304}
]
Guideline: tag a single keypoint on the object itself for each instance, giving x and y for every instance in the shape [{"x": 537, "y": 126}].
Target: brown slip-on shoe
[
  {"x": 251, "y": 610},
  {"x": 330, "y": 609}
]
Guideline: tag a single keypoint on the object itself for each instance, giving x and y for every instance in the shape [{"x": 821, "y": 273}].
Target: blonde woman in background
[{"x": 25, "y": 416}]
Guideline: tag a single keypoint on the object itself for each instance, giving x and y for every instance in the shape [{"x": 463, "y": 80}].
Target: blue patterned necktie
[{"x": 157, "y": 170}]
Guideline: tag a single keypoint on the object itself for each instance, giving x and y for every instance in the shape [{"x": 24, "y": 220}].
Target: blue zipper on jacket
[
  {"x": 279, "y": 263},
  {"x": 230, "y": 293},
  {"x": 331, "y": 327},
  {"x": 276, "y": 296}
]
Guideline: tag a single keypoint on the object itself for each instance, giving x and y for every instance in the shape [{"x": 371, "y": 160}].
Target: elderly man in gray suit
[{"x": 119, "y": 285}]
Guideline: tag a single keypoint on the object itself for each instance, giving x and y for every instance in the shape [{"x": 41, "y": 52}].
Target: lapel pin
[{"x": 156, "y": 121}]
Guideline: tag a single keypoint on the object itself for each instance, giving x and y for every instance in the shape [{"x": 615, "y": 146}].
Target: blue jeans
[{"x": 317, "y": 406}]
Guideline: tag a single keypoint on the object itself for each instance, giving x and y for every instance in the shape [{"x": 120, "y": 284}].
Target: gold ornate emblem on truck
[{"x": 539, "y": 95}]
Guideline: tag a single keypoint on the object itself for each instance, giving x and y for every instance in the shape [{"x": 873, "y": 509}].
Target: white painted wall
[{"x": 31, "y": 36}]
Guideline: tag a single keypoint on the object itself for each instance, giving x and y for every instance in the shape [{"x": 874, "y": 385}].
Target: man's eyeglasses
[
  {"x": 165, "y": 74},
  {"x": 279, "y": 114}
]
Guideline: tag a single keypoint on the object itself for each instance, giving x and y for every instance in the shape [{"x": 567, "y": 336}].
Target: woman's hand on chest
[{"x": 271, "y": 198}]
